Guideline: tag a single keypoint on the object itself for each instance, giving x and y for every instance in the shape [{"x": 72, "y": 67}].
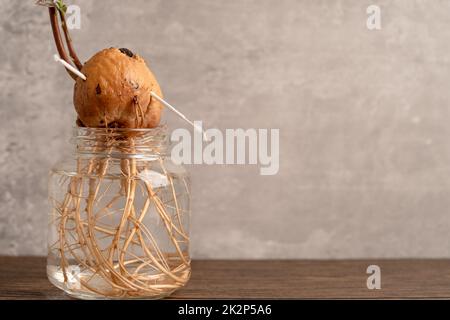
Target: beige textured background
[{"x": 364, "y": 118}]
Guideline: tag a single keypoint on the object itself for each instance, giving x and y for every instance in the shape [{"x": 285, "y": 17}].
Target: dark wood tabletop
[{"x": 25, "y": 278}]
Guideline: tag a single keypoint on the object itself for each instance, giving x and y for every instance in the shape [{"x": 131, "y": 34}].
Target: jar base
[{"x": 73, "y": 288}]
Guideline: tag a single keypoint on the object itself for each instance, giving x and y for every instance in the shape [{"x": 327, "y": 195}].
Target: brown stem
[
  {"x": 58, "y": 41},
  {"x": 69, "y": 43}
]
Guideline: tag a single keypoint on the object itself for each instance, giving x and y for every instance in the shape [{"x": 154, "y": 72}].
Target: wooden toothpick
[
  {"x": 179, "y": 114},
  {"x": 70, "y": 67}
]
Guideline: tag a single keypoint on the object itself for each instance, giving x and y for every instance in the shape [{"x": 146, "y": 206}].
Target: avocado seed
[{"x": 117, "y": 92}]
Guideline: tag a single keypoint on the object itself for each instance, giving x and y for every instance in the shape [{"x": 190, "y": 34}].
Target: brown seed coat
[{"x": 117, "y": 90}]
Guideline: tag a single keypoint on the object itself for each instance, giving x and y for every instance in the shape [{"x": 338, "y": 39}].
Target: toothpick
[
  {"x": 179, "y": 114},
  {"x": 70, "y": 67}
]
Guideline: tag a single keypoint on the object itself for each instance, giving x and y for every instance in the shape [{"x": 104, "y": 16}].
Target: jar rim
[
  {"x": 161, "y": 128},
  {"x": 121, "y": 142}
]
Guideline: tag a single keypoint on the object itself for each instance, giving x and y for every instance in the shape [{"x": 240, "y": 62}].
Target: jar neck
[{"x": 121, "y": 143}]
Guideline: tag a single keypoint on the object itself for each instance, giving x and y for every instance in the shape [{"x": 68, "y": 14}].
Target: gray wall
[{"x": 365, "y": 157}]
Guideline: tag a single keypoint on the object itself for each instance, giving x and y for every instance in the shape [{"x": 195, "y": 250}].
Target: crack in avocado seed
[
  {"x": 98, "y": 89},
  {"x": 126, "y": 51}
]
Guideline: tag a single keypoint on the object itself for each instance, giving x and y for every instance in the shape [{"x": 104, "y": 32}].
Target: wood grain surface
[{"x": 25, "y": 278}]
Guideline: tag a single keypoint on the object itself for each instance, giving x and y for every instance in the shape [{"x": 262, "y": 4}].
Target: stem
[
  {"x": 69, "y": 43},
  {"x": 58, "y": 40}
]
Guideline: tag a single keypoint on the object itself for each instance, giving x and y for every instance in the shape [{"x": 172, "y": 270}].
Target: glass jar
[{"x": 119, "y": 220}]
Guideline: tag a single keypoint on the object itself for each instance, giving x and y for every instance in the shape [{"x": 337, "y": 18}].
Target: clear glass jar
[{"x": 119, "y": 223}]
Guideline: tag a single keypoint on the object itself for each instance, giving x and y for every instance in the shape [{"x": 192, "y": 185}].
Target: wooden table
[{"x": 25, "y": 278}]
